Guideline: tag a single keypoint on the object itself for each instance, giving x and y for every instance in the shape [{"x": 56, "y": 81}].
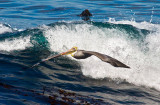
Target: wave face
[{"x": 135, "y": 44}]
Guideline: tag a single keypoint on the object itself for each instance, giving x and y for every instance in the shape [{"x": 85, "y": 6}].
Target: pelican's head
[{"x": 72, "y": 50}]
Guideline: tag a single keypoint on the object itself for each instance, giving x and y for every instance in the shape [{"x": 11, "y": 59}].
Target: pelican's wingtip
[{"x": 127, "y": 67}]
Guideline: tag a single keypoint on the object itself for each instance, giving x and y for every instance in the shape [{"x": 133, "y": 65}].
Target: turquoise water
[{"x": 31, "y": 31}]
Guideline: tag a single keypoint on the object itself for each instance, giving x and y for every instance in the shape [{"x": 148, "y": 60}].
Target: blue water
[{"x": 34, "y": 30}]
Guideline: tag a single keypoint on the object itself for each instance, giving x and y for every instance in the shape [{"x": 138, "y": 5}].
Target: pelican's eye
[{"x": 75, "y": 48}]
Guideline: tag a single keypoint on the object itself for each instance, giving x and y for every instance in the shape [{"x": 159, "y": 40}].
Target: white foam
[
  {"x": 4, "y": 29},
  {"x": 141, "y": 25},
  {"x": 20, "y": 43},
  {"x": 144, "y": 66}
]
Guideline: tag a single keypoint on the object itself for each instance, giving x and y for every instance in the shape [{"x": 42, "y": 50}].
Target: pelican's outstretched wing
[
  {"x": 43, "y": 60},
  {"x": 106, "y": 58}
]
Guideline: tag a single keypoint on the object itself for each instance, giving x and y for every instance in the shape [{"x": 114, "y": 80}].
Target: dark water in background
[{"x": 33, "y": 30}]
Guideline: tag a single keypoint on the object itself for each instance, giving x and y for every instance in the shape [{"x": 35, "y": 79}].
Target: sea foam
[{"x": 4, "y": 28}]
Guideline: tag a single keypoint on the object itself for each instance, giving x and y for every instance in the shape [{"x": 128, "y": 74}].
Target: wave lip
[{"x": 4, "y": 28}]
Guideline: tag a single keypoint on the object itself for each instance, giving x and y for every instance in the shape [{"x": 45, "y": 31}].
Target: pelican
[{"x": 82, "y": 54}]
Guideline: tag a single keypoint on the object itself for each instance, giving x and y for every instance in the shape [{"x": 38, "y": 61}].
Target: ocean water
[{"x": 32, "y": 30}]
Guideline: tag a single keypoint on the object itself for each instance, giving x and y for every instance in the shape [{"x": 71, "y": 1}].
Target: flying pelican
[{"x": 82, "y": 54}]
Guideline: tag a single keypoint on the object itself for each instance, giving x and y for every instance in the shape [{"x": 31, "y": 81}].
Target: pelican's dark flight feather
[{"x": 82, "y": 54}]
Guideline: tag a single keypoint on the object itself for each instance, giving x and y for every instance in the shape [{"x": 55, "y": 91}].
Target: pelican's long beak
[{"x": 72, "y": 50}]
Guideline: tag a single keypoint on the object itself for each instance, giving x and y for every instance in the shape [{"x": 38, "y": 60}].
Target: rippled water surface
[
  {"x": 32, "y": 30},
  {"x": 29, "y": 13}
]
